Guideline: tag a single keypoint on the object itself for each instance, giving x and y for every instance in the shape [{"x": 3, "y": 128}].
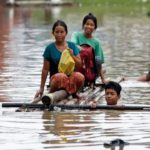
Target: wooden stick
[
  {"x": 101, "y": 107},
  {"x": 23, "y": 105},
  {"x": 83, "y": 107}
]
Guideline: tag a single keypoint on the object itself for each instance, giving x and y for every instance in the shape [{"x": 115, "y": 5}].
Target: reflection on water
[
  {"x": 23, "y": 36},
  {"x": 62, "y": 130}
]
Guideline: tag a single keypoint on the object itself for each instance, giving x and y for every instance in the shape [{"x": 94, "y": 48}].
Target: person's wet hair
[
  {"x": 59, "y": 23},
  {"x": 89, "y": 16},
  {"x": 113, "y": 85}
]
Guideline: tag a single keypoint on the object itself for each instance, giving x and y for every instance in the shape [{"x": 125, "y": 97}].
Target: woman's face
[
  {"x": 59, "y": 33},
  {"x": 111, "y": 97},
  {"x": 89, "y": 27}
]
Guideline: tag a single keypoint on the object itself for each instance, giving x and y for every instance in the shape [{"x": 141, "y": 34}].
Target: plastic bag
[{"x": 66, "y": 64}]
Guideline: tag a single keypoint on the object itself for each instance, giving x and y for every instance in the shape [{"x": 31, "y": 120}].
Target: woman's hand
[
  {"x": 77, "y": 58},
  {"x": 39, "y": 93},
  {"x": 70, "y": 51}
]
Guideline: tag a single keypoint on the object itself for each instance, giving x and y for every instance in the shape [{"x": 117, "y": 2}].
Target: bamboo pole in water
[{"x": 81, "y": 107}]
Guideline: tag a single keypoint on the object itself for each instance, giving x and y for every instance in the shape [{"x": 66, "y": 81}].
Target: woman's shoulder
[
  {"x": 49, "y": 45},
  {"x": 70, "y": 43},
  {"x": 73, "y": 46}
]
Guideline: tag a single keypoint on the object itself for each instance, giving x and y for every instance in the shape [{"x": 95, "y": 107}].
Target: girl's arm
[{"x": 101, "y": 73}]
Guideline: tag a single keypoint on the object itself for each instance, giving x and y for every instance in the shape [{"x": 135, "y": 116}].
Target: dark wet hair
[
  {"x": 59, "y": 23},
  {"x": 89, "y": 16},
  {"x": 113, "y": 85}
]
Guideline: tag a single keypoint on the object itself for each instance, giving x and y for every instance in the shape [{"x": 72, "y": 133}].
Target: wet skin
[{"x": 111, "y": 97}]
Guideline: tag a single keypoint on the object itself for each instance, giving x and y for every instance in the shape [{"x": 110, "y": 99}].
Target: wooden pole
[{"x": 81, "y": 107}]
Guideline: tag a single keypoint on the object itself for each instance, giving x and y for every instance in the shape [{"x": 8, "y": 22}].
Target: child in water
[{"x": 112, "y": 94}]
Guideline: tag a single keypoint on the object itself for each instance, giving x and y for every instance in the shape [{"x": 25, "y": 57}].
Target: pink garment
[{"x": 70, "y": 83}]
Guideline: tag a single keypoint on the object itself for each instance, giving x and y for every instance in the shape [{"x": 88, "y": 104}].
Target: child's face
[
  {"x": 111, "y": 97},
  {"x": 59, "y": 33},
  {"x": 89, "y": 26}
]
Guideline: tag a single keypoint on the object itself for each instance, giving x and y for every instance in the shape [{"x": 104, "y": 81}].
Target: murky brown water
[
  {"x": 73, "y": 130},
  {"x": 24, "y": 33}
]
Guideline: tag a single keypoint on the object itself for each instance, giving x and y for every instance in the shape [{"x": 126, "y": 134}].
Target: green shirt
[{"x": 79, "y": 38}]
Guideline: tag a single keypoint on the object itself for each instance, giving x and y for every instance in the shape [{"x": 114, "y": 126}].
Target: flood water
[{"x": 25, "y": 32}]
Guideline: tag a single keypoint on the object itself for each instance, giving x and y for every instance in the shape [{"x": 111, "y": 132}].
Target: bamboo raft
[{"x": 90, "y": 93}]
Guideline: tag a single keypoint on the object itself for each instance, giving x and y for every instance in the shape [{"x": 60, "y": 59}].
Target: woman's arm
[
  {"x": 45, "y": 70},
  {"x": 77, "y": 60}
]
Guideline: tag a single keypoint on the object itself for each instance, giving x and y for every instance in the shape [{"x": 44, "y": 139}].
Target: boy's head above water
[{"x": 112, "y": 92}]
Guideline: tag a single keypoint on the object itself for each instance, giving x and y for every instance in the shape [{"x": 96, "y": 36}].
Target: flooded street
[
  {"x": 24, "y": 34},
  {"x": 73, "y": 130}
]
